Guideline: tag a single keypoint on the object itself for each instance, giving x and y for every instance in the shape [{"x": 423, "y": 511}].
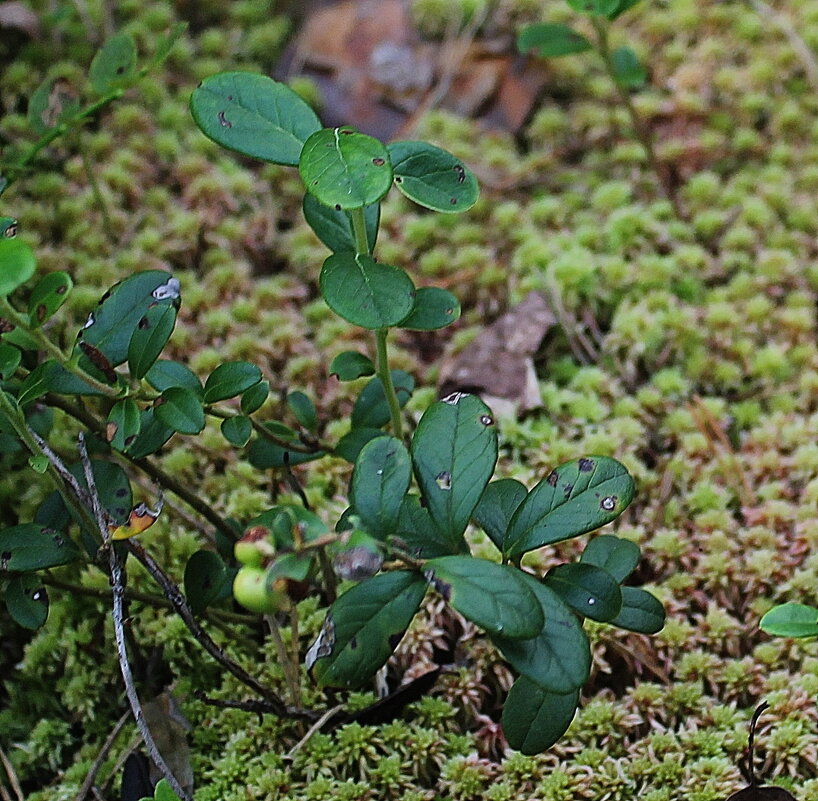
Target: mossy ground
[{"x": 705, "y": 384}]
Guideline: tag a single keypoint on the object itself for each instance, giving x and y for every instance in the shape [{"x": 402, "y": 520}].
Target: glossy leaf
[
  {"x": 237, "y": 430},
  {"x": 205, "y": 576},
  {"x": 363, "y": 627},
  {"x": 153, "y": 434},
  {"x": 380, "y": 479},
  {"x": 345, "y": 169},
  {"x": 619, "y": 557},
  {"x": 114, "y": 64},
  {"x": 49, "y": 294},
  {"x": 365, "y": 292},
  {"x": 27, "y": 601},
  {"x": 10, "y": 358},
  {"x": 51, "y": 376},
  {"x": 493, "y": 596},
  {"x": 601, "y": 8},
  {"x": 350, "y": 445},
  {"x": 303, "y": 410},
  {"x": 165, "y": 373},
  {"x": 535, "y": 718},
  {"x": 254, "y": 115},
  {"x": 150, "y": 337},
  {"x": 791, "y": 620},
  {"x": 549, "y": 40},
  {"x": 496, "y": 507},
  {"x": 334, "y": 226},
  {"x": 349, "y": 365},
  {"x": 180, "y": 409},
  {"x": 641, "y": 612},
  {"x": 371, "y": 410},
  {"x": 588, "y": 590},
  {"x": 454, "y": 450},
  {"x": 577, "y": 497},
  {"x": 113, "y": 487},
  {"x": 229, "y": 380},
  {"x": 37, "y": 382},
  {"x": 558, "y": 659},
  {"x": 627, "y": 71},
  {"x": 17, "y": 265},
  {"x": 419, "y": 534},
  {"x": 30, "y": 547},
  {"x": 123, "y": 424},
  {"x": 433, "y": 177},
  {"x": 434, "y": 308},
  {"x": 253, "y": 399}
]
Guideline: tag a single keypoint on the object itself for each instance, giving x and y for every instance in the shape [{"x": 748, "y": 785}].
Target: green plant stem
[
  {"x": 359, "y": 231},
  {"x": 643, "y": 133},
  {"x": 385, "y": 375}
]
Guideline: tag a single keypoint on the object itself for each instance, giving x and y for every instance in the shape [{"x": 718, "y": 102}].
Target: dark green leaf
[
  {"x": 153, "y": 434},
  {"x": 601, "y": 8},
  {"x": 371, "y": 409},
  {"x": 124, "y": 423},
  {"x": 345, "y": 169},
  {"x": 497, "y": 504},
  {"x": 433, "y": 177},
  {"x": 791, "y": 620},
  {"x": 349, "y": 365},
  {"x": 492, "y": 596},
  {"x": 237, "y": 430},
  {"x": 205, "y": 575},
  {"x": 253, "y": 399},
  {"x": 27, "y": 601},
  {"x": 619, "y": 557},
  {"x": 49, "y": 294},
  {"x": 114, "y": 64},
  {"x": 36, "y": 383},
  {"x": 454, "y": 450},
  {"x": 180, "y": 409},
  {"x": 55, "y": 378},
  {"x": 627, "y": 71},
  {"x": 230, "y": 379},
  {"x": 264, "y": 454},
  {"x": 643, "y": 612},
  {"x": 365, "y": 292},
  {"x": 30, "y": 547},
  {"x": 254, "y": 115},
  {"x": 149, "y": 338},
  {"x": 558, "y": 659},
  {"x": 534, "y": 718},
  {"x": 577, "y": 497},
  {"x": 349, "y": 446},
  {"x": 334, "y": 227},
  {"x": 419, "y": 533},
  {"x": 549, "y": 40},
  {"x": 303, "y": 410},
  {"x": 380, "y": 479},
  {"x": 588, "y": 590},
  {"x": 434, "y": 308},
  {"x": 363, "y": 627},
  {"x": 166, "y": 373},
  {"x": 113, "y": 487},
  {"x": 9, "y": 360},
  {"x": 17, "y": 265}
]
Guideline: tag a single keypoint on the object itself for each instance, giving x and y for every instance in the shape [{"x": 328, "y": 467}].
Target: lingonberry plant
[{"x": 411, "y": 498}]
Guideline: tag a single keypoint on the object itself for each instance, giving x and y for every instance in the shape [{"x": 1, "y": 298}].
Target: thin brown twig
[
  {"x": 13, "y": 780},
  {"x": 101, "y": 757}
]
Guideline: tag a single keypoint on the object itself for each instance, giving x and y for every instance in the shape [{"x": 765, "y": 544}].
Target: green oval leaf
[
  {"x": 49, "y": 294},
  {"x": 114, "y": 64},
  {"x": 254, "y": 115},
  {"x": 149, "y": 338},
  {"x": 237, "y": 430},
  {"x": 345, "y": 169},
  {"x": 253, "y": 399},
  {"x": 454, "y": 450},
  {"x": 434, "y": 308},
  {"x": 123, "y": 425},
  {"x": 371, "y": 409},
  {"x": 30, "y": 547},
  {"x": 10, "y": 358},
  {"x": 550, "y": 40},
  {"x": 365, "y": 292},
  {"x": 349, "y": 365},
  {"x": 380, "y": 479},
  {"x": 492, "y": 596},
  {"x": 334, "y": 227},
  {"x": 419, "y": 534},
  {"x": 350, "y": 445},
  {"x": 230, "y": 379},
  {"x": 153, "y": 434},
  {"x": 588, "y": 590},
  {"x": 205, "y": 576},
  {"x": 27, "y": 601},
  {"x": 577, "y": 497},
  {"x": 497, "y": 504},
  {"x": 433, "y": 177},
  {"x": 180, "y": 409},
  {"x": 363, "y": 627},
  {"x": 535, "y": 718},
  {"x": 617, "y": 556},
  {"x": 642, "y": 612},
  {"x": 791, "y": 620},
  {"x": 17, "y": 264},
  {"x": 627, "y": 71},
  {"x": 166, "y": 373},
  {"x": 264, "y": 454},
  {"x": 558, "y": 659},
  {"x": 303, "y": 410}
]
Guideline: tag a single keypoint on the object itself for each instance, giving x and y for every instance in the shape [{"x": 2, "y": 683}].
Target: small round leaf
[
  {"x": 17, "y": 264},
  {"x": 27, "y": 601},
  {"x": 237, "y": 430},
  {"x": 434, "y": 308},
  {"x": 180, "y": 409},
  {"x": 49, "y": 294},
  {"x": 230, "y": 379}
]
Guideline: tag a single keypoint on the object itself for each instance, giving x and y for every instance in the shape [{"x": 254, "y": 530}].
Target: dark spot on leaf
[
  {"x": 5, "y": 326},
  {"x": 223, "y": 121},
  {"x": 120, "y": 70},
  {"x": 229, "y": 97},
  {"x": 444, "y": 480},
  {"x": 104, "y": 297},
  {"x": 398, "y": 179},
  {"x": 99, "y": 360},
  {"x": 353, "y": 643},
  {"x": 5, "y": 556},
  {"x": 394, "y": 639},
  {"x": 129, "y": 440},
  {"x": 61, "y": 290},
  {"x": 207, "y": 583},
  {"x": 567, "y": 489},
  {"x": 608, "y": 503},
  {"x": 11, "y": 231},
  {"x": 453, "y": 201},
  {"x": 121, "y": 492},
  {"x": 346, "y": 131},
  {"x": 461, "y": 173},
  {"x": 337, "y": 207},
  {"x": 378, "y": 162},
  {"x": 586, "y": 465},
  {"x": 40, "y": 312},
  {"x": 58, "y": 540},
  {"x": 143, "y": 324},
  {"x": 552, "y": 479},
  {"x": 449, "y": 312}
]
